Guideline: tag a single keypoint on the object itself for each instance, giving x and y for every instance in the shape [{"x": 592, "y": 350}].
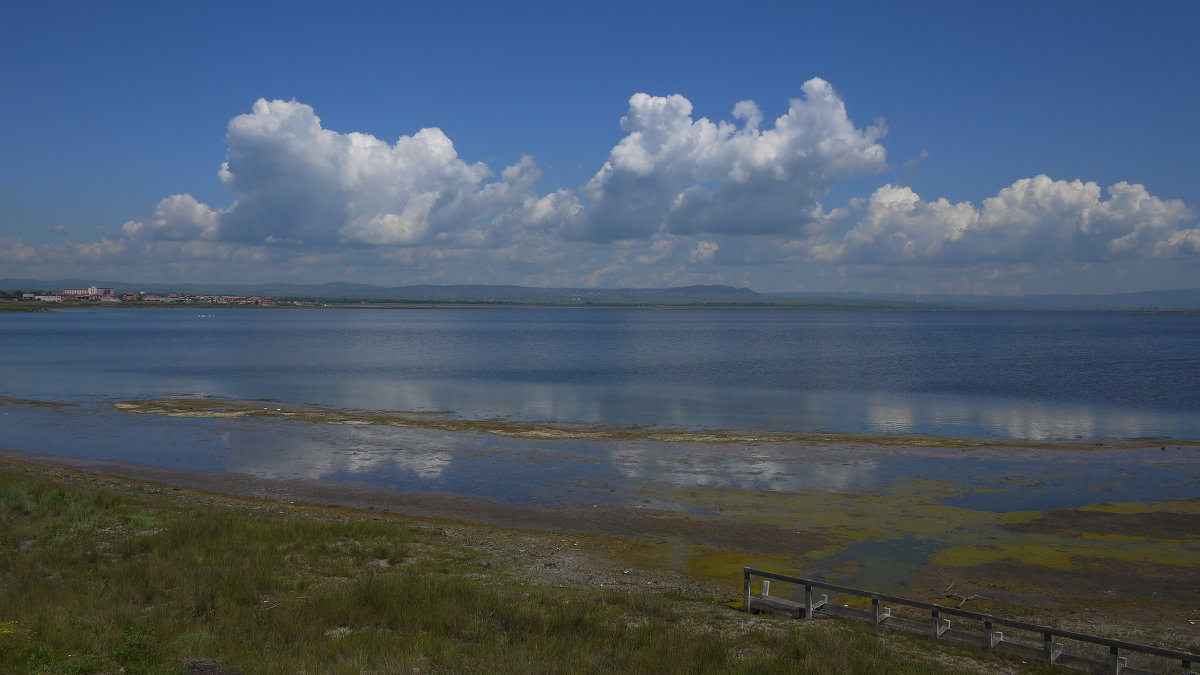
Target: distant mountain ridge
[
  {"x": 1181, "y": 299},
  {"x": 1175, "y": 300}
]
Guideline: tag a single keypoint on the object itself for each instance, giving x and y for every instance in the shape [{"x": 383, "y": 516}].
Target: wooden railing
[{"x": 937, "y": 626}]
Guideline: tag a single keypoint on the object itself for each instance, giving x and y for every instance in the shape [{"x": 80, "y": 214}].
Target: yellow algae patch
[
  {"x": 1030, "y": 554},
  {"x": 848, "y": 567},
  {"x": 197, "y": 410},
  {"x": 1120, "y": 537},
  {"x": 1126, "y": 538},
  {"x": 170, "y": 412},
  {"x": 1014, "y": 517},
  {"x": 1180, "y": 505},
  {"x": 831, "y": 513},
  {"x": 1063, "y": 553},
  {"x": 912, "y": 507},
  {"x": 820, "y": 553},
  {"x": 725, "y": 565},
  {"x": 1124, "y": 508},
  {"x": 1161, "y": 552},
  {"x": 1131, "y": 508},
  {"x": 1021, "y": 481}
]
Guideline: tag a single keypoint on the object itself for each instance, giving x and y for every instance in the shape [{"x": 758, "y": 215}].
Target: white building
[{"x": 91, "y": 292}]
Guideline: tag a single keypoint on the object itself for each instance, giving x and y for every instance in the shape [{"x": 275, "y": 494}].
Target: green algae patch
[{"x": 971, "y": 556}]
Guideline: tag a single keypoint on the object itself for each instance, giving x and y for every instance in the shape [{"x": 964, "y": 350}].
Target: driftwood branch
[{"x": 962, "y": 599}]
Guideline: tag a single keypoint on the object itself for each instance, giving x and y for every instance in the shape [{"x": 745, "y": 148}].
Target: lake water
[
  {"x": 1006, "y": 375},
  {"x": 1000, "y": 375}
]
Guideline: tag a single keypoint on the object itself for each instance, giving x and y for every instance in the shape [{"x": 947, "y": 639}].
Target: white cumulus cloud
[
  {"x": 297, "y": 182},
  {"x": 697, "y": 176},
  {"x": 680, "y": 199},
  {"x": 178, "y": 218},
  {"x": 1033, "y": 220},
  {"x": 15, "y": 251},
  {"x": 704, "y": 252}
]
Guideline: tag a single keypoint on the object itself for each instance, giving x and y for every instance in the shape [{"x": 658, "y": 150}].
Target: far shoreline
[{"x": 436, "y": 305}]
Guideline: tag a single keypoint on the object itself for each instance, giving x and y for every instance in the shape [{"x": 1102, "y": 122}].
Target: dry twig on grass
[{"x": 962, "y": 599}]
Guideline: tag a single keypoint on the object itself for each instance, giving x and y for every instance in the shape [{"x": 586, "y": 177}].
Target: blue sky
[{"x": 1060, "y": 135}]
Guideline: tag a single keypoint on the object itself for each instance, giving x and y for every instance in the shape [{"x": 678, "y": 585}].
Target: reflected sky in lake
[
  {"x": 1012, "y": 375},
  {"x": 526, "y": 472}
]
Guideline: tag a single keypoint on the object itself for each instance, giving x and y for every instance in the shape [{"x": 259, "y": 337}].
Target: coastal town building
[
  {"x": 89, "y": 293},
  {"x": 109, "y": 295}
]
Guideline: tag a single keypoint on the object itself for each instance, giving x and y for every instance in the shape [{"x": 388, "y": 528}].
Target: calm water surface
[
  {"x": 978, "y": 374},
  {"x": 1002, "y": 375}
]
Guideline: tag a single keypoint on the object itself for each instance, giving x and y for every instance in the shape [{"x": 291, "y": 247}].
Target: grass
[{"x": 102, "y": 577}]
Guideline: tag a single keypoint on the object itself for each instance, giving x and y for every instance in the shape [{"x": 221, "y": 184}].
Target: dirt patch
[
  {"x": 1150, "y": 525},
  {"x": 10, "y": 400},
  {"x": 1140, "y": 602}
]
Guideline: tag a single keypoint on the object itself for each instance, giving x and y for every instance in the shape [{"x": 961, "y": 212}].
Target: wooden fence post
[
  {"x": 991, "y": 636},
  {"x": 809, "y": 605},
  {"x": 938, "y": 625},
  {"x": 878, "y": 617},
  {"x": 1051, "y": 650},
  {"x": 1116, "y": 662},
  {"x": 746, "y": 590}
]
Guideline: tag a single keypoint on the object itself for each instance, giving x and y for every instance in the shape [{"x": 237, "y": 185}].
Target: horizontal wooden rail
[{"x": 1050, "y": 650}]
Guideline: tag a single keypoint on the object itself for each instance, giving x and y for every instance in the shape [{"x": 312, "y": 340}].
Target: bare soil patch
[{"x": 1155, "y": 525}]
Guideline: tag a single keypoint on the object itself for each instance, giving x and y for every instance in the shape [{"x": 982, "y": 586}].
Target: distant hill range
[
  {"x": 1177, "y": 300},
  {"x": 679, "y": 296}
]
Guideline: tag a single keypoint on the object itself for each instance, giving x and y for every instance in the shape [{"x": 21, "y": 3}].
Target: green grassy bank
[{"x": 105, "y": 575}]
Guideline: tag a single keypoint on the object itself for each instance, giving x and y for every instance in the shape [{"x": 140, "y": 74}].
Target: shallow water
[
  {"x": 1006, "y": 375},
  {"x": 998, "y": 375},
  {"x": 523, "y": 472}
]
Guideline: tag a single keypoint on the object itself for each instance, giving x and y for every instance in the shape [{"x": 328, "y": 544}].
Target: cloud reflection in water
[{"x": 266, "y": 453}]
